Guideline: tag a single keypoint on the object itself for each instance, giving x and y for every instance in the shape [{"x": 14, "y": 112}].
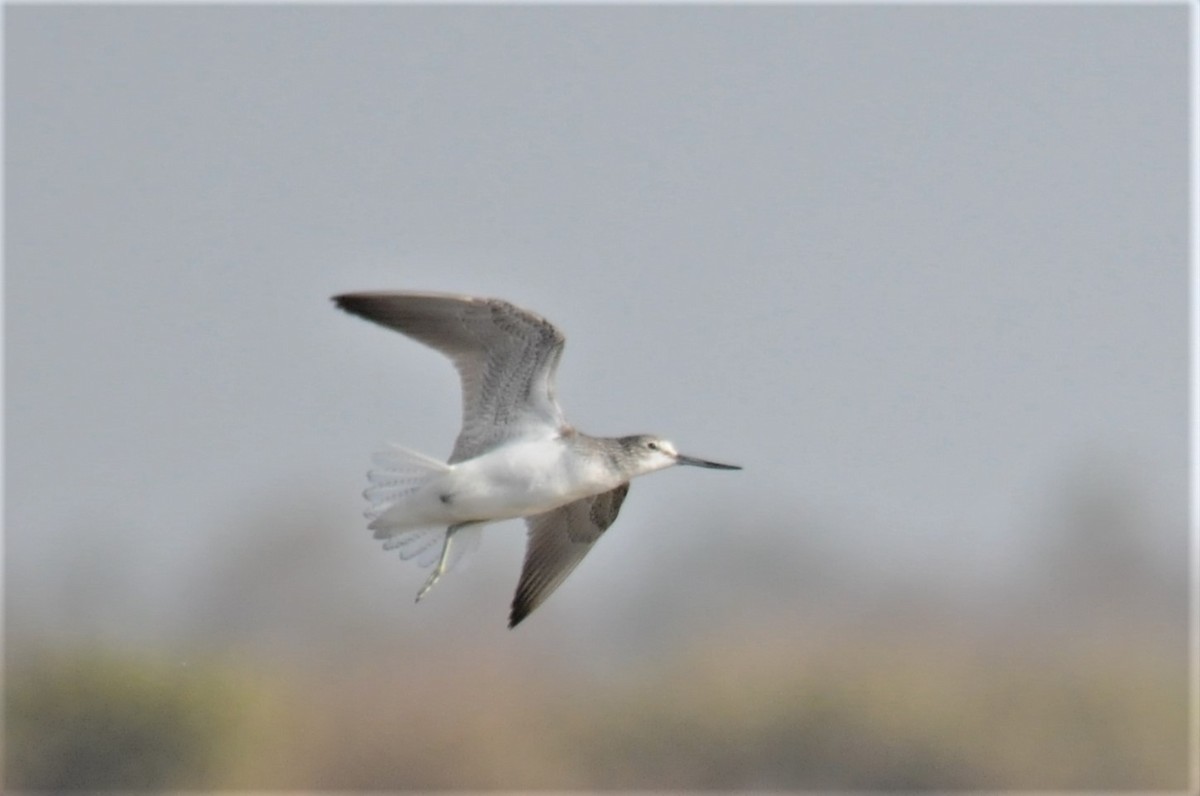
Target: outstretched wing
[
  {"x": 558, "y": 541},
  {"x": 506, "y": 357}
]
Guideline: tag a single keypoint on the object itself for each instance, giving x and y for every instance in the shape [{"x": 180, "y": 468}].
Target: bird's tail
[{"x": 397, "y": 474}]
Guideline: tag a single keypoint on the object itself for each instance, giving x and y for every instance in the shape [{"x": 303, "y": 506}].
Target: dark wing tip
[
  {"x": 524, "y": 601},
  {"x": 529, "y": 595},
  {"x": 383, "y": 308},
  {"x": 353, "y": 303},
  {"x": 518, "y": 613}
]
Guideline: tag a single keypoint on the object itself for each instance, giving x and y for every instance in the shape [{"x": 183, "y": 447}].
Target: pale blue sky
[{"x": 914, "y": 267}]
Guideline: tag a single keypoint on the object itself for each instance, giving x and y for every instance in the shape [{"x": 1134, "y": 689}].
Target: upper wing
[
  {"x": 558, "y": 541},
  {"x": 506, "y": 356}
]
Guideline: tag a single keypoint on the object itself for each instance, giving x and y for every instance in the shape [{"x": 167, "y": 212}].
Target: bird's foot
[{"x": 428, "y": 584}]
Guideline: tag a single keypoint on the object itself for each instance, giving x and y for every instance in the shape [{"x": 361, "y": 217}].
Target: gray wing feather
[
  {"x": 506, "y": 356},
  {"x": 558, "y": 541}
]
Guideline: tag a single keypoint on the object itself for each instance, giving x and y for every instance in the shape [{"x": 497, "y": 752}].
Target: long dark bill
[{"x": 694, "y": 462}]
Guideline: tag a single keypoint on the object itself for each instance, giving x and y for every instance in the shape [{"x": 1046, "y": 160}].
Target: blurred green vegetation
[
  {"x": 899, "y": 713},
  {"x": 92, "y": 718},
  {"x": 748, "y": 711}
]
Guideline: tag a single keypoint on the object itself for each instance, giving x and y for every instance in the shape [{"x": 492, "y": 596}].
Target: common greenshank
[{"x": 516, "y": 455}]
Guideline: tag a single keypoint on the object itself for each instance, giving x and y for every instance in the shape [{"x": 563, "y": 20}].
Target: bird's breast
[{"x": 525, "y": 478}]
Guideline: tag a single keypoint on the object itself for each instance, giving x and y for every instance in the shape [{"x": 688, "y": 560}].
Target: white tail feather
[
  {"x": 424, "y": 545},
  {"x": 398, "y": 472}
]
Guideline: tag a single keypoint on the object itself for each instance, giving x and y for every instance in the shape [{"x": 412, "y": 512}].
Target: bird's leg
[{"x": 442, "y": 561}]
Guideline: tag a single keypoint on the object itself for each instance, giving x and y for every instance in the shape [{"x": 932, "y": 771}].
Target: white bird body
[
  {"x": 523, "y": 477},
  {"x": 516, "y": 456}
]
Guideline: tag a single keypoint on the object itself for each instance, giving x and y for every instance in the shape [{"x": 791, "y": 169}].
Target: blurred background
[{"x": 922, "y": 270}]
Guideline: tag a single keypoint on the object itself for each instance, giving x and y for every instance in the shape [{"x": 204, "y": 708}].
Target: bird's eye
[{"x": 652, "y": 446}]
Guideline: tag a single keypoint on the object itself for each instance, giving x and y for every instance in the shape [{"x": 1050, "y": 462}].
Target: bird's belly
[{"x": 517, "y": 481}]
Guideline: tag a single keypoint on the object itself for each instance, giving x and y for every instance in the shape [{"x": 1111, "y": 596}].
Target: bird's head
[{"x": 651, "y": 453}]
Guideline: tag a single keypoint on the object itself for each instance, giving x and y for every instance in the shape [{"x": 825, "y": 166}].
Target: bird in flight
[{"x": 516, "y": 455}]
